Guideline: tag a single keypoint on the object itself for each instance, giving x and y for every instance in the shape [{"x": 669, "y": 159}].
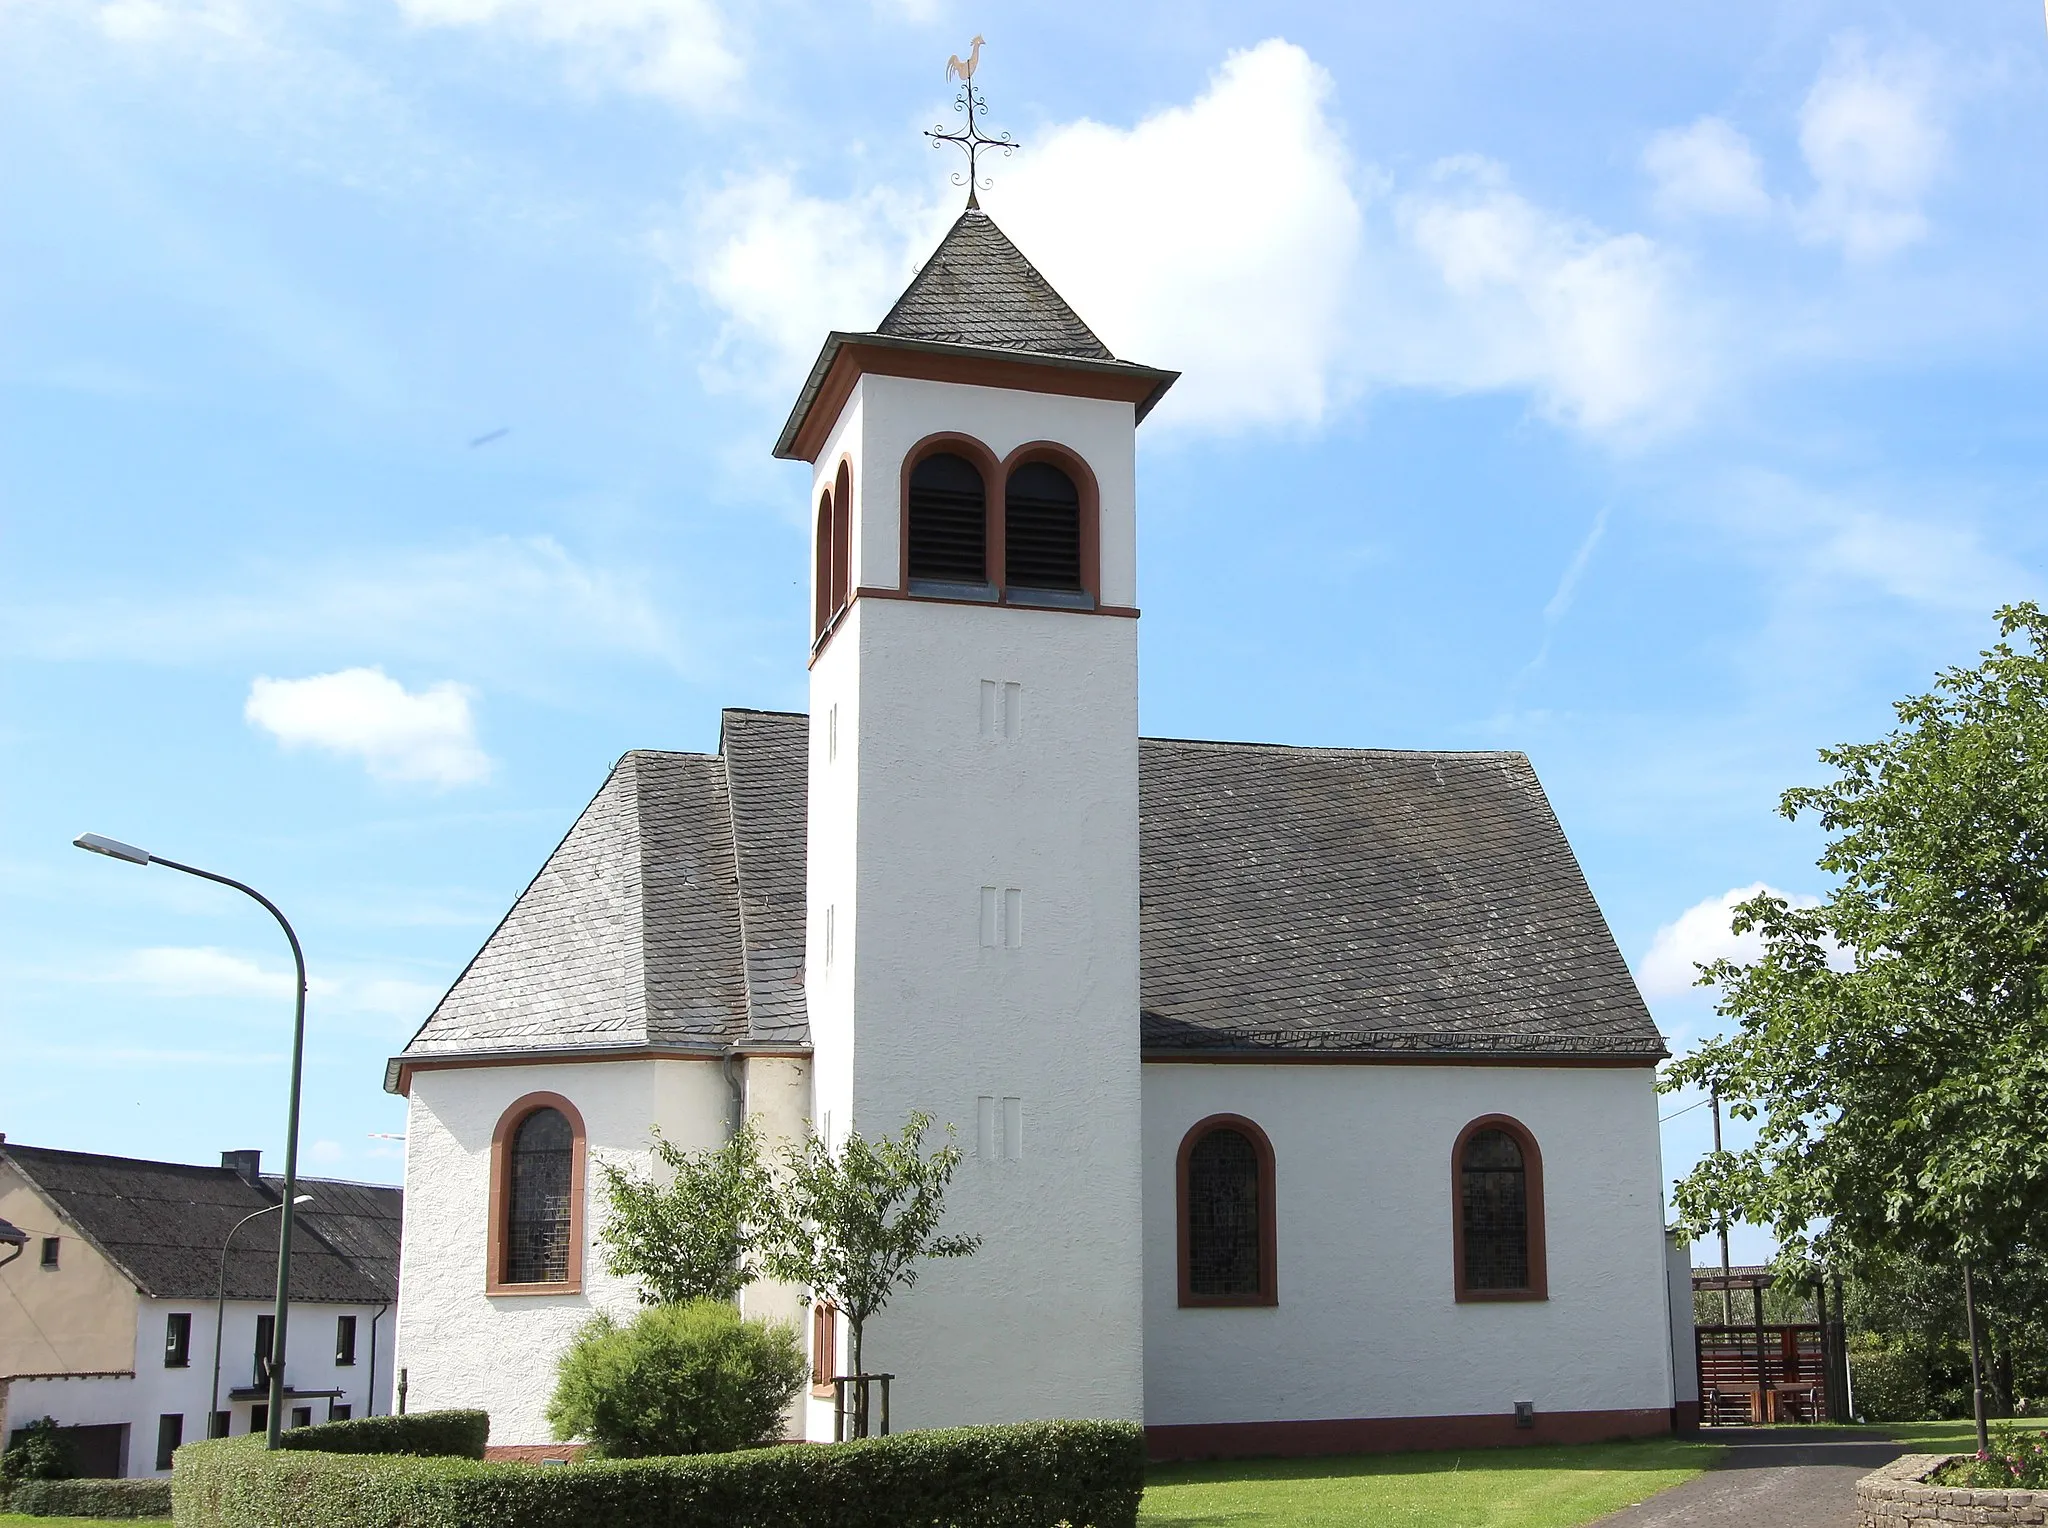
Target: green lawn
[
  {"x": 1948, "y": 1437},
  {"x": 1482, "y": 1488}
]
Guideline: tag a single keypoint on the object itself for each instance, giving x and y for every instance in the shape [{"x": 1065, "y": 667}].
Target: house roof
[
  {"x": 978, "y": 299},
  {"x": 1293, "y": 900},
  {"x": 163, "y": 1224}
]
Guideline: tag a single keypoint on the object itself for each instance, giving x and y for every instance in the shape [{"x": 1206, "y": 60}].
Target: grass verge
[
  {"x": 1948, "y": 1437},
  {"x": 1480, "y": 1488}
]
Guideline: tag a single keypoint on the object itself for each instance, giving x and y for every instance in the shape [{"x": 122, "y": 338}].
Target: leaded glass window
[
  {"x": 1493, "y": 1193},
  {"x": 537, "y": 1222},
  {"x": 1223, "y": 1216}
]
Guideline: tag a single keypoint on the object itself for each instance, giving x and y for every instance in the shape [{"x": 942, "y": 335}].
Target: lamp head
[
  {"x": 303, "y": 1199},
  {"x": 113, "y": 848}
]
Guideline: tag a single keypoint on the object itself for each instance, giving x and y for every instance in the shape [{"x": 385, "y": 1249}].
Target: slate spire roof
[
  {"x": 978, "y": 289},
  {"x": 1333, "y": 900}
]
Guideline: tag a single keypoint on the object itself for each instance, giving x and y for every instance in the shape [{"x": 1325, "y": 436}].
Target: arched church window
[
  {"x": 1499, "y": 1225},
  {"x": 537, "y": 1198},
  {"x": 842, "y": 538},
  {"x": 1041, "y": 529},
  {"x": 822, "y": 616},
  {"x": 1227, "y": 1240},
  {"x": 948, "y": 531}
]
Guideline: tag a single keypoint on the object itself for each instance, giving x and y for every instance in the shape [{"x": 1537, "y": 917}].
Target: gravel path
[{"x": 1769, "y": 1478}]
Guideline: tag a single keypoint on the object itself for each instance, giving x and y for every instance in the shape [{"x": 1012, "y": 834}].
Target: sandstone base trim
[
  {"x": 1388, "y": 1435},
  {"x": 1898, "y": 1496}
]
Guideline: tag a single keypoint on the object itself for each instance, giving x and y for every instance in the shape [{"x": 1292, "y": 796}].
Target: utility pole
[{"x": 1727, "y": 1295}]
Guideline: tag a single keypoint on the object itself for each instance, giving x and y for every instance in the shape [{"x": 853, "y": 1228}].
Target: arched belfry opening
[
  {"x": 947, "y": 537},
  {"x": 1042, "y": 529}
]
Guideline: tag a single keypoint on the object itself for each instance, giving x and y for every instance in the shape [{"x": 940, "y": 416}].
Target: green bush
[
  {"x": 2017, "y": 1461},
  {"x": 1890, "y": 1387},
  {"x": 38, "y": 1453},
  {"x": 1027, "y": 1475},
  {"x": 460, "y": 1434},
  {"x": 679, "y": 1379},
  {"x": 91, "y": 1498}
]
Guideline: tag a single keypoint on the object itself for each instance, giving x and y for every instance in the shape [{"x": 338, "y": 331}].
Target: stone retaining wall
[{"x": 1898, "y": 1496}]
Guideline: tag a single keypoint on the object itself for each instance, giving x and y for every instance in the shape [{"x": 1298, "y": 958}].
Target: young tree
[
  {"x": 693, "y": 1237},
  {"x": 852, "y": 1225},
  {"x": 1892, "y": 1043}
]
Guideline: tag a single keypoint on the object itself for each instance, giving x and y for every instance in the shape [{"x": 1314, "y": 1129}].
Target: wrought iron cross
[{"x": 970, "y": 138}]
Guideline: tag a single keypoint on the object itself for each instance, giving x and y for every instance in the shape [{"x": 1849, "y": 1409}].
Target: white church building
[{"x": 1306, "y": 1100}]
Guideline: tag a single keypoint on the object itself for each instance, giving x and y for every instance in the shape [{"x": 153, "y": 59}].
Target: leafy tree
[
  {"x": 853, "y": 1224},
  {"x": 694, "y": 1378},
  {"x": 693, "y": 1237},
  {"x": 1892, "y": 1043},
  {"x": 39, "y": 1452}
]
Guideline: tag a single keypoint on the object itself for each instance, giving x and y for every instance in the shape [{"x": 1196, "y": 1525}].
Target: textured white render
[
  {"x": 156, "y": 1391},
  {"x": 1685, "y": 1353},
  {"x": 460, "y": 1346},
  {"x": 1366, "y": 1325},
  {"x": 919, "y": 812}
]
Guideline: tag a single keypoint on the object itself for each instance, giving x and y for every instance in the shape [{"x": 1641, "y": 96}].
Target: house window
[
  {"x": 265, "y": 1327},
  {"x": 1041, "y": 529},
  {"x": 948, "y": 521},
  {"x": 824, "y": 1343},
  {"x": 338, "y": 1412},
  {"x": 170, "y": 1432},
  {"x": 217, "y": 1427},
  {"x": 259, "y": 1419},
  {"x": 1228, "y": 1239},
  {"x": 50, "y": 1244},
  {"x": 1497, "y": 1176},
  {"x": 537, "y": 1198},
  {"x": 302, "y": 1416},
  {"x": 344, "y": 1341},
  {"x": 178, "y": 1339}
]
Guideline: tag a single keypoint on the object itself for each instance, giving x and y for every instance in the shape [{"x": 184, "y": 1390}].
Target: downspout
[
  {"x": 370, "y": 1400},
  {"x": 729, "y": 1065}
]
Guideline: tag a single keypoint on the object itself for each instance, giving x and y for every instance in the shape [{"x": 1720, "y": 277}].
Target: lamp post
[
  {"x": 220, "y": 1301},
  {"x": 115, "y": 849}
]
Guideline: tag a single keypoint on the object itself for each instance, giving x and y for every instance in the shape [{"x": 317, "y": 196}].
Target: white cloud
[
  {"x": 1869, "y": 135},
  {"x": 1699, "y": 935},
  {"x": 500, "y": 600},
  {"x": 327, "y": 1153},
  {"x": 1707, "y": 169},
  {"x": 1232, "y": 239},
  {"x": 676, "y": 49},
  {"x": 363, "y": 712},
  {"x": 204, "y": 971}
]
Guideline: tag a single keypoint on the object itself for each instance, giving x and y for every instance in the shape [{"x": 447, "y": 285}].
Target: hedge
[
  {"x": 433, "y": 1434},
  {"x": 89, "y": 1498},
  {"x": 1024, "y": 1475}
]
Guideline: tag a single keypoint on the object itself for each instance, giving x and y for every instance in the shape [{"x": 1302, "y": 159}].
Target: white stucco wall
[
  {"x": 921, "y": 811},
  {"x": 1685, "y": 1353},
  {"x": 1366, "y": 1324},
  {"x": 459, "y": 1346},
  {"x": 156, "y": 1391}
]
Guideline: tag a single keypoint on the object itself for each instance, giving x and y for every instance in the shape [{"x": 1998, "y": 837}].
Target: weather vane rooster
[{"x": 970, "y": 138}]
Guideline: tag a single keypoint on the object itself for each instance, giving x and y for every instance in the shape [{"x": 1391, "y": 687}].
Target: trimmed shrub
[
  {"x": 1027, "y": 1475},
  {"x": 1890, "y": 1387},
  {"x": 428, "y": 1434},
  {"x": 91, "y": 1498},
  {"x": 678, "y": 1379}
]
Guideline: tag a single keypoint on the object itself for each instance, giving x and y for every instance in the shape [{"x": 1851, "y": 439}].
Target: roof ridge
[{"x": 1339, "y": 748}]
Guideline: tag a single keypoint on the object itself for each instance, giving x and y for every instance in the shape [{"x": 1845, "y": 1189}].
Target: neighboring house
[
  {"x": 1307, "y": 1102},
  {"x": 107, "y": 1323}
]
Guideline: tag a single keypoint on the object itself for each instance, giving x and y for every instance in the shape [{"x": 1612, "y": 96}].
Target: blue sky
[{"x": 1657, "y": 390}]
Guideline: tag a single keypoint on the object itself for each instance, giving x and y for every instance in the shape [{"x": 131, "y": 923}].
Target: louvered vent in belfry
[
  {"x": 1041, "y": 529},
  {"x": 948, "y": 521}
]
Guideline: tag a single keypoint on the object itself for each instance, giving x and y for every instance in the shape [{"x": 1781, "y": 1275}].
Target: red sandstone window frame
[
  {"x": 842, "y": 537},
  {"x": 501, "y": 1196},
  {"x": 1053, "y": 454},
  {"x": 1538, "y": 1287},
  {"x": 1268, "y": 1292},
  {"x": 824, "y": 1346},
  {"x": 822, "y": 608},
  {"x": 983, "y": 461}
]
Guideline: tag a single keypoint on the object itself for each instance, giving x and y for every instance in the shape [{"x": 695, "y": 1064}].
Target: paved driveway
[{"x": 1769, "y": 1478}]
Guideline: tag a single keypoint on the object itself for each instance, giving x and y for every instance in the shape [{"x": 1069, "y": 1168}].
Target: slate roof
[
  {"x": 978, "y": 289},
  {"x": 1322, "y": 900},
  {"x": 164, "y": 1223}
]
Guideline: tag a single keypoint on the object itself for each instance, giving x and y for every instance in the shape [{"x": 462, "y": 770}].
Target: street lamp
[
  {"x": 220, "y": 1300},
  {"x": 114, "y": 849}
]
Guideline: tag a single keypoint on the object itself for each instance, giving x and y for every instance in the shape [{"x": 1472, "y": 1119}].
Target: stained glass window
[
  {"x": 1493, "y": 1184},
  {"x": 537, "y": 1226},
  {"x": 1223, "y": 1215}
]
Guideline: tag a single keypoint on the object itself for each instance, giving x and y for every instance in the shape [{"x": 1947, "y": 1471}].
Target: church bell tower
[{"x": 973, "y": 838}]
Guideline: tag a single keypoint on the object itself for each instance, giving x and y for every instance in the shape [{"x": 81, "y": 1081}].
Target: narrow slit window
[
  {"x": 537, "y": 1228},
  {"x": 1041, "y": 529},
  {"x": 344, "y": 1341},
  {"x": 178, "y": 1340},
  {"x": 948, "y": 521}
]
